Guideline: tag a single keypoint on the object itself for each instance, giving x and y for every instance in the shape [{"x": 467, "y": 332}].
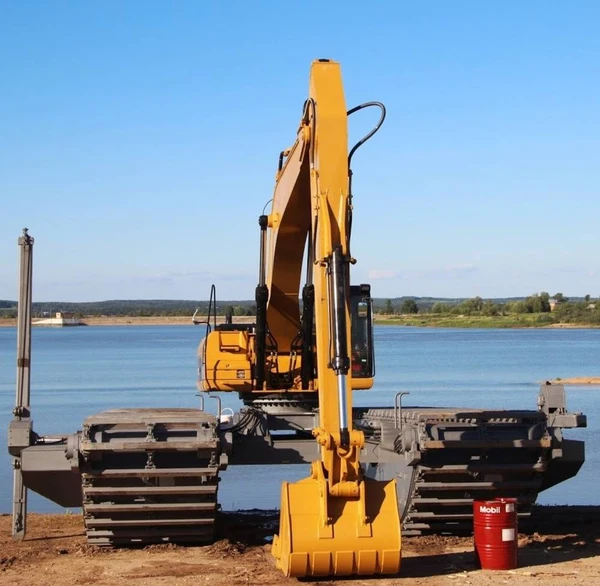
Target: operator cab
[{"x": 361, "y": 315}]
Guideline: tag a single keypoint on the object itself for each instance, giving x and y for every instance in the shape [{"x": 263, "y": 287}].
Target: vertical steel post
[{"x": 22, "y": 413}]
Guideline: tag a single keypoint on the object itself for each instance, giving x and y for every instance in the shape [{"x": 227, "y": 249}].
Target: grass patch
[{"x": 525, "y": 320}]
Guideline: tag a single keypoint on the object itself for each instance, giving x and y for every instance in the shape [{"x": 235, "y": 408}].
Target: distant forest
[
  {"x": 538, "y": 309},
  {"x": 576, "y": 307},
  {"x": 133, "y": 307},
  {"x": 168, "y": 307}
]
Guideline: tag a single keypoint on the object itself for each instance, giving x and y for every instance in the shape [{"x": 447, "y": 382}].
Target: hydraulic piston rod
[{"x": 340, "y": 361}]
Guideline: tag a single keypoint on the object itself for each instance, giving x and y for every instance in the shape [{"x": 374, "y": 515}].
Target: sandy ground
[
  {"x": 579, "y": 380},
  {"x": 560, "y": 545},
  {"x": 138, "y": 321}
]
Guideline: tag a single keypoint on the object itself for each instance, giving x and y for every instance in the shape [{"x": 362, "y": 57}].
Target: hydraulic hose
[{"x": 355, "y": 148}]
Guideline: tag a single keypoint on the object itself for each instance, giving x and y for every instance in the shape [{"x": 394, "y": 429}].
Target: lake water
[{"x": 80, "y": 371}]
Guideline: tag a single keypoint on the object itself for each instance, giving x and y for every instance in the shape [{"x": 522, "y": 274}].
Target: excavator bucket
[{"x": 320, "y": 535}]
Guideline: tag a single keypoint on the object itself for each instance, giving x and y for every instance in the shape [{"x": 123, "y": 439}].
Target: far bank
[
  {"x": 530, "y": 320},
  {"x": 423, "y": 321},
  {"x": 176, "y": 320}
]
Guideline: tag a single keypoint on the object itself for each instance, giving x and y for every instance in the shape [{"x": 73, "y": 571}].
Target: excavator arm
[
  {"x": 311, "y": 199},
  {"x": 336, "y": 521}
]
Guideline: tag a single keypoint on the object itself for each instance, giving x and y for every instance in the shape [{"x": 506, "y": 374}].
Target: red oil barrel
[{"x": 495, "y": 533}]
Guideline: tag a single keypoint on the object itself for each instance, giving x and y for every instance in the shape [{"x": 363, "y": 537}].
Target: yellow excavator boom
[{"x": 335, "y": 522}]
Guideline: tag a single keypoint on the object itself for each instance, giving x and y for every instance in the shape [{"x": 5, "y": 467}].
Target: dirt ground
[{"x": 559, "y": 545}]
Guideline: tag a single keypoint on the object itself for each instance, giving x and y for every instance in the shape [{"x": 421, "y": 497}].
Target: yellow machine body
[
  {"x": 228, "y": 363},
  {"x": 226, "y": 360}
]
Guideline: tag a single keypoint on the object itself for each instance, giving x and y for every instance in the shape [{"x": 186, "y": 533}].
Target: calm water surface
[{"x": 80, "y": 371}]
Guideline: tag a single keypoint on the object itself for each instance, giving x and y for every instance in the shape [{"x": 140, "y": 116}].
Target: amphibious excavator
[{"x": 147, "y": 476}]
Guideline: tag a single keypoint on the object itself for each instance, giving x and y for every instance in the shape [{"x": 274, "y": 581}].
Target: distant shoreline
[
  {"x": 523, "y": 321},
  {"x": 183, "y": 320},
  {"x": 578, "y": 380},
  {"x": 158, "y": 320}
]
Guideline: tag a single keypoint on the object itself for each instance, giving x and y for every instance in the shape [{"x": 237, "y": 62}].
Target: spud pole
[{"x": 20, "y": 428}]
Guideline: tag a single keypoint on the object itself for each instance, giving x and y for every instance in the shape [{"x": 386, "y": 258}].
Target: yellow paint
[{"x": 334, "y": 522}]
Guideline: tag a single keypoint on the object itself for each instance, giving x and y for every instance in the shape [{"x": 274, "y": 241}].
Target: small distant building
[
  {"x": 64, "y": 315},
  {"x": 63, "y": 318},
  {"x": 554, "y": 304}
]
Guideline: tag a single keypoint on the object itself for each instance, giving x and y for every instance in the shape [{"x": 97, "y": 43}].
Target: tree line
[
  {"x": 131, "y": 308},
  {"x": 584, "y": 309},
  {"x": 555, "y": 308}
]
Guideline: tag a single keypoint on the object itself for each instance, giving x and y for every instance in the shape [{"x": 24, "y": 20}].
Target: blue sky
[{"x": 140, "y": 141}]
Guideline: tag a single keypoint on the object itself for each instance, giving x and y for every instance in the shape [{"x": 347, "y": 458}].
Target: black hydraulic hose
[
  {"x": 355, "y": 148},
  {"x": 375, "y": 129},
  {"x": 211, "y": 301},
  {"x": 262, "y": 296},
  {"x": 212, "y": 306},
  {"x": 308, "y": 312}
]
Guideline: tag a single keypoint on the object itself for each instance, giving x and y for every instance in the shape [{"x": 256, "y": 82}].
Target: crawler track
[
  {"x": 150, "y": 476},
  {"x": 455, "y": 456},
  {"x": 467, "y": 456}
]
